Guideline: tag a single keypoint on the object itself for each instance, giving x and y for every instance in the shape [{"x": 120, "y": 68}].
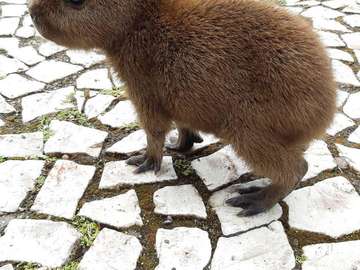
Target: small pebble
[{"x": 169, "y": 220}]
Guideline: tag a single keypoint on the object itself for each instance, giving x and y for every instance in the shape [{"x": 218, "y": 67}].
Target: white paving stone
[
  {"x": 15, "y": 1},
  {"x": 308, "y": 3},
  {"x": 182, "y": 200},
  {"x": 10, "y": 65},
  {"x": 112, "y": 250},
  {"x": 45, "y": 242},
  {"x": 331, "y": 39},
  {"x": 136, "y": 141},
  {"x": 340, "y": 55},
  {"x": 8, "y": 26},
  {"x": 352, "y": 20},
  {"x": 94, "y": 79},
  {"x": 319, "y": 159},
  {"x": 261, "y": 249},
  {"x": 13, "y": 10},
  {"x": 73, "y": 139},
  {"x": 27, "y": 21},
  {"x": 321, "y": 12},
  {"x": 8, "y": 43},
  {"x": 63, "y": 188},
  {"x": 355, "y": 136},
  {"x": 118, "y": 173},
  {"x": 85, "y": 58},
  {"x": 7, "y": 267},
  {"x": 344, "y": 74},
  {"x": 183, "y": 249},
  {"x": 44, "y": 103},
  {"x": 332, "y": 256},
  {"x": 335, "y": 4},
  {"x": 115, "y": 79},
  {"x": 27, "y": 54},
  {"x": 326, "y": 24},
  {"x": 98, "y": 104},
  {"x": 49, "y": 48},
  {"x": 352, "y": 9},
  {"x": 341, "y": 97},
  {"x": 121, "y": 211},
  {"x": 352, "y": 106},
  {"x": 340, "y": 123},
  {"x": 80, "y": 98},
  {"x": 25, "y": 32},
  {"x": 2, "y": 123},
  {"x": 52, "y": 70},
  {"x": 17, "y": 179},
  {"x": 14, "y": 86},
  {"x": 351, "y": 156},
  {"x": 21, "y": 145},
  {"x": 295, "y": 10},
  {"x": 352, "y": 40},
  {"x": 220, "y": 168},
  {"x": 5, "y": 107},
  {"x": 122, "y": 114},
  {"x": 230, "y": 222},
  {"x": 329, "y": 207}
]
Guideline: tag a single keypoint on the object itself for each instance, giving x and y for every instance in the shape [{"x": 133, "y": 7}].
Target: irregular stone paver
[
  {"x": 45, "y": 242},
  {"x": 182, "y": 200},
  {"x": 73, "y": 139},
  {"x": 85, "y": 58},
  {"x": 94, "y": 79},
  {"x": 63, "y": 188},
  {"x": 329, "y": 207},
  {"x": 118, "y": 173},
  {"x": 136, "y": 141},
  {"x": 352, "y": 106},
  {"x": 80, "y": 98},
  {"x": 5, "y": 107},
  {"x": 352, "y": 9},
  {"x": 309, "y": 3},
  {"x": 10, "y": 65},
  {"x": 183, "y": 249},
  {"x": 8, "y": 26},
  {"x": 340, "y": 123},
  {"x": 21, "y": 145},
  {"x": 332, "y": 256},
  {"x": 14, "y": 86},
  {"x": 295, "y": 10},
  {"x": 2, "y": 123},
  {"x": 44, "y": 103},
  {"x": 8, "y": 43},
  {"x": 17, "y": 179},
  {"x": 335, "y": 4},
  {"x": 341, "y": 97},
  {"x": 352, "y": 40},
  {"x": 112, "y": 250},
  {"x": 352, "y": 20},
  {"x": 25, "y": 32},
  {"x": 355, "y": 136},
  {"x": 121, "y": 211},
  {"x": 49, "y": 48},
  {"x": 331, "y": 39},
  {"x": 230, "y": 222},
  {"x": 122, "y": 114},
  {"x": 332, "y": 25},
  {"x": 7, "y": 267},
  {"x": 344, "y": 74},
  {"x": 340, "y": 55},
  {"x": 261, "y": 249},
  {"x": 321, "y": 12},
  {"x": 13, "y": 10},
  {"x": 351, "y": 155},
  {"x": 98, "y": 104},
  {"x": 27, "y": 54},
  {"x": 52, "y": 70},
  {"x": 220, "y": 168}
]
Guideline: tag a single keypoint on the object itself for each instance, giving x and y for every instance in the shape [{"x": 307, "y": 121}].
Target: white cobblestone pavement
[{"x": 68, "y": 200}]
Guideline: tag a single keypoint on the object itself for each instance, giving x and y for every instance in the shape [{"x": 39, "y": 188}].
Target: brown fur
[{"x": 244, "y": 70}]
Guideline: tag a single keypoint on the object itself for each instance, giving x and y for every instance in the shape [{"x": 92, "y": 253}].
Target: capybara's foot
[
  {"x": 145, "y": 163},
  {"x": 185, "y": 141}
]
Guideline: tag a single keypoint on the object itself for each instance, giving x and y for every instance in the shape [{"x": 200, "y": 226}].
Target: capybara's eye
[{"x": 75, "y": 2}]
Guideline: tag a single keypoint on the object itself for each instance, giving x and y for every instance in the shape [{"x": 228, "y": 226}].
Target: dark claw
[
  {"x": 144, "y": 164},
  {"x": 247, "y": 190},
  {"x": 136, "y": 160}
]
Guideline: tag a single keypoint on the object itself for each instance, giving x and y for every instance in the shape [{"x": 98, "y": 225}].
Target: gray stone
[
  {"x": 330, "y": 39},
  {"x": 28, "y": 55},
  {"x": 25, "y": 32},
  {"x": 14, "y": 86},
  {"x": 340, "y": 123},
  {"x": 94, "y": 79},
  {"x": 335, "y": 4},
  {"x": 21, "y": 145},
  {"x": 308, "y": 3},
  {"x": 352, "y": 106},
  {"x": 49, "y": 48},
  {"x": 10, "y": 65},
  {"x": 230, "y": 222},
  {"x": 112, "y": 250},
  {"x": 261, "y": 249},
  {"x": 136, "y": 141},
  {"x": 8, "y": 43},
  {"x": 85, "y": 58},
  {"x": 13, "y": 10},
  {"x": 344, "y": 74},
  {"x": 341, "y": 97},
  {"x": 352, "y": 20},
  {"x": 319, "y": 159},
  {"x": 45, "y": 242},
  {"x": 46, "y": 103},
  {"x": 52, "y": 70},
  {"x": 355, "y": 136},
  {"x": 351, "y": 155},
  {"x": 5, "y": 107},
  {"x": 340, "y": 55},
  {"x": 121, "y": 211},
  {"x": 118, "y": 173},
  {"x": 17, "y": 179},
  {"x": 321, "y": 12},
  {"x": 332, "y": 256},
  {"x": 98, "y": 104},
  {"x": 27, "y": 21},
  {"x": 331, "y": 25},
  {"x": 220, "y": 168},
  {"x": 7, "y": 267},
  {"x": 352, "y": 40},
  {"x": 352, "y": 9},
  {"x": 122, "y": 114},
  {"x": 73, "y": 139},
  {"x": 329, "y": 207},
  {"x": 63, "y": 188},
  {"x": 8, "y": 26},
  {"x": 183, "y": 249},
  {"x": 295, "y": 10},
  {"x": 182, "y": 200}
]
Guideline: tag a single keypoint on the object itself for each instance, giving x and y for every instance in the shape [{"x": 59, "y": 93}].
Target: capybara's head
[{"x": 81, "y": 24}]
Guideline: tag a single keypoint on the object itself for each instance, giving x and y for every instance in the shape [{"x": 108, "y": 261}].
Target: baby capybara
[{"x": 247, "y": 71}]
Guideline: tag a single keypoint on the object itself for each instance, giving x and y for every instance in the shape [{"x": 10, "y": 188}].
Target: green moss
[
  {"x": 300, "y": 259},
  {"x": 69, "y": 266},
  {"x": 115, "y": 91},
  {"x": 2, "y": 159},
  {"x": 73, "y": 115},
  {"x": 70, "y": 98},
  {"x": 184, "y": 167},
  {"x": 88, "y": 229},
  {"x": 131, "y": 127},
  {"x": 27, "y": 266}
]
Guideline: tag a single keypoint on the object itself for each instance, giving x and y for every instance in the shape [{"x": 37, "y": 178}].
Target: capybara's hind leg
[
  {"x": 285, "y": 169},
  {"x": 185, "y": 141}
]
